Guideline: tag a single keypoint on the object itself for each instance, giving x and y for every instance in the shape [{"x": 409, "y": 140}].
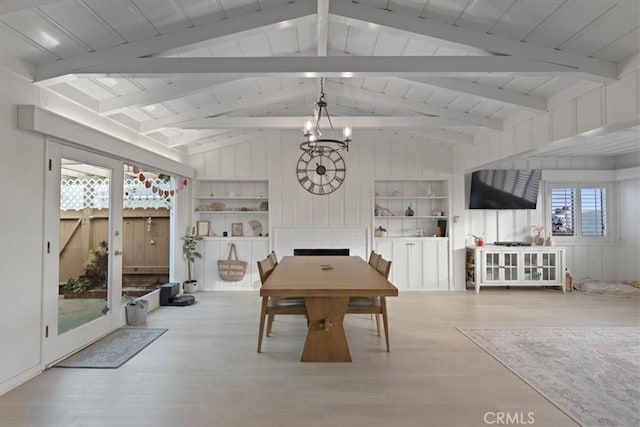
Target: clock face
[{"x": 322, "y": 171}]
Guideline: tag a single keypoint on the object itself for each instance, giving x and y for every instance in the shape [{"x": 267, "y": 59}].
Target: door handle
[{"x": 117, "y": 252}]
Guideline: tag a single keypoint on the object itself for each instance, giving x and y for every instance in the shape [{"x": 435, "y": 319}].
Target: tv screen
[{"x": 504, "y": 189}]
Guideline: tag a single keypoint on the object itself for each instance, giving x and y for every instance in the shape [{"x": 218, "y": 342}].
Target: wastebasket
[{"x": 137, "y": 312}]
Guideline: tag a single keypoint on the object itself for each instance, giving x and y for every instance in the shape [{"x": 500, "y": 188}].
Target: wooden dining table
[{"x": 326, "y": 283}]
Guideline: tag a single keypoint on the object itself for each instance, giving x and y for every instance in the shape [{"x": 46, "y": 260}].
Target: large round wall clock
[{"x": 321, "y": 171}]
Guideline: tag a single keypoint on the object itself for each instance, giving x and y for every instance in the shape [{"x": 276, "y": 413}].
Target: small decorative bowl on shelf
[{"x": 381, "y": 232}]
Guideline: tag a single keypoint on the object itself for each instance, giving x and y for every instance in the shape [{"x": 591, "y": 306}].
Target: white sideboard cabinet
[{"x": 493, "y": 265}]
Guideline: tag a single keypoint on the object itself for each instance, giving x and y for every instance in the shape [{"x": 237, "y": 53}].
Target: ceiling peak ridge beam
[
  {"x": 296, "y": 122},
  {"x": 327, "y": 66},
  {"x": 529, "y": 102},
  {"x": 243, "y": 25},
  {"x": 352, "y": 14},
  {"x": 266, "y": 98},
  {"x": 410, "y": 105}
]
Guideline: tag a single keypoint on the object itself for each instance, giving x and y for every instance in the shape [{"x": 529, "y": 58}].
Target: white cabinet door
[
  {"x": 435, "y": 265},
  {"x": 500, "y": 267},
  {"x": 406, "y": 267},
  {"x": 542, "y": 267}
]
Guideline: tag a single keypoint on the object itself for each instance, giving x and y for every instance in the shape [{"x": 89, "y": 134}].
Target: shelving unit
[
  {"x": 429, "y": 200},
  {"x": 227, "y": 202},
  {"x": 416, "y": 244},
  {"x": 223, "y": 203}
]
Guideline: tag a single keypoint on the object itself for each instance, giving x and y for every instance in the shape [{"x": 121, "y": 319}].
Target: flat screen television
[{"x": 504, "y": 189}]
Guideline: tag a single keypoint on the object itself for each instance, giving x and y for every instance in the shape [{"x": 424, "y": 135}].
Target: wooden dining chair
[
  {"x": 273, "y": 258},
  {"x": 272, "y": 306},
  {"x": 377, "y": 306},
  {"x": 374, "y": 258}
]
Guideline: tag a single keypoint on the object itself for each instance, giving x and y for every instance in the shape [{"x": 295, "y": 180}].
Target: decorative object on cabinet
[
  {"x": 256, "y": 226},
  {"x": 202, "y": 228},
  {"x": 537, "y": 235},
  {"x": 381, "y": 232},
  {"x": 232, "y": 269},
  {"x": 321, "y": 171},
  {"x": 312, "y": 133},
  {"x": 409, "y": 211},
  {"x": 264, "y": 206},
  {"x": 236, "y": 229},
  {"x": 190, "y": 242},
  {"x": 382, "y": 209}
]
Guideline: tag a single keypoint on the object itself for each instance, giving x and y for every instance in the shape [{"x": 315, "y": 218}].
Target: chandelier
[{"x": 311, "y": 131}]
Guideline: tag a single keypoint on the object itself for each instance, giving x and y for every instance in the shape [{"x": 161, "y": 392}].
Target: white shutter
[
  {"x": 563, "y": 214},
  {"x": 593, "y": 212}
]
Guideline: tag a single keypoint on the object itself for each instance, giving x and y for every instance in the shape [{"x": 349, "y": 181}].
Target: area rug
[
  {"x": 113, "y": 350},
  {"x": 591, "y": 374}
]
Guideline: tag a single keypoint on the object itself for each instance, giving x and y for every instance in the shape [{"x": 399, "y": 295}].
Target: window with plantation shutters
[
  {"x": 563, "y": 205},
  {"x": 578, "y": 211},
  {"x": 594, "y": 219}
]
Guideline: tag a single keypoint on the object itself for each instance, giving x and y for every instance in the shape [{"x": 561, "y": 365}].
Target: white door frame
[{"x": 54, "y": 346}]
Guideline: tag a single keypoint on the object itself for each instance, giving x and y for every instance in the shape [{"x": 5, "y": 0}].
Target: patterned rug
[
  {"x": 113, "y": 350},
  {"x": 591, "y": 374}
]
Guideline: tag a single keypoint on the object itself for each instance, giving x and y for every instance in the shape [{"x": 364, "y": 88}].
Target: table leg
[{"x": 326, "y": 341}]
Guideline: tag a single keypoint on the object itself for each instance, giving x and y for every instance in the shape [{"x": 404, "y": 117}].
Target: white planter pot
[{"x": 191, "y": 287}]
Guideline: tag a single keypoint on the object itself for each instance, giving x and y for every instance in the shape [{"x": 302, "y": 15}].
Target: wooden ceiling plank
[
  {"x": 225, "y": 142},
  {"x": 220, "y": 109},
  {"x": 177, "y": 89},
  {"x": 349, "y": 13},
  {"x": 11, "y": 6},
  {"x": 232, "y": 28},
  {"x": 529, "y": 102},
  {"x": 409, "y": 105}
]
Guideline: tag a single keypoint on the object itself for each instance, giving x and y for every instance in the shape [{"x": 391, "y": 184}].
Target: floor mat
[{"x": 113, "y": 350}]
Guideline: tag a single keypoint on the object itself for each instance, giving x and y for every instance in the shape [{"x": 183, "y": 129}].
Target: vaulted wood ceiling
[{"x": 191, "y": 74}]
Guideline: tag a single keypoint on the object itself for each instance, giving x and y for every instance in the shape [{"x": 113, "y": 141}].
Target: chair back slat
[
  {"x": 374, "y": 258},
  {"x": 274, "y": 259},
  {"x": 384, "y": 267},
  {"x": 265, "y": 268}
]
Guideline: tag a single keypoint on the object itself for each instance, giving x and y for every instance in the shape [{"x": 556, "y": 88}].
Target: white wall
[
  {"x": 274, "y": 157},
  {"x": 21, "y": 241},
  {"x": 372, "y": 155}
]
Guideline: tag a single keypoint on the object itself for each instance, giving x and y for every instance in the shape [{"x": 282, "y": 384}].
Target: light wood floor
[{"x": 205, "y": 371}]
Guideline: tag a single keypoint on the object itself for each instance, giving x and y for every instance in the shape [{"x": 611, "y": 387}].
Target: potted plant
[
  {"x": 189, "y": 251},
  {"x": 381, "y": 232}
]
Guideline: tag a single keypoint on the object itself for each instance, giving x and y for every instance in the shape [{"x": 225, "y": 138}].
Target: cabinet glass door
[
  {"x": 548, "y": 266},
  {"x": 491, "y": 266},
  {"x": 510, "y": 266},
  {"x": 531, "y": 266}
]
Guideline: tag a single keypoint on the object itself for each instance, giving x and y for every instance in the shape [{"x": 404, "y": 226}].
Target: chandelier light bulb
[
  {"x": 346, "y": 133},
  {"x": 308, "y": 126}
]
